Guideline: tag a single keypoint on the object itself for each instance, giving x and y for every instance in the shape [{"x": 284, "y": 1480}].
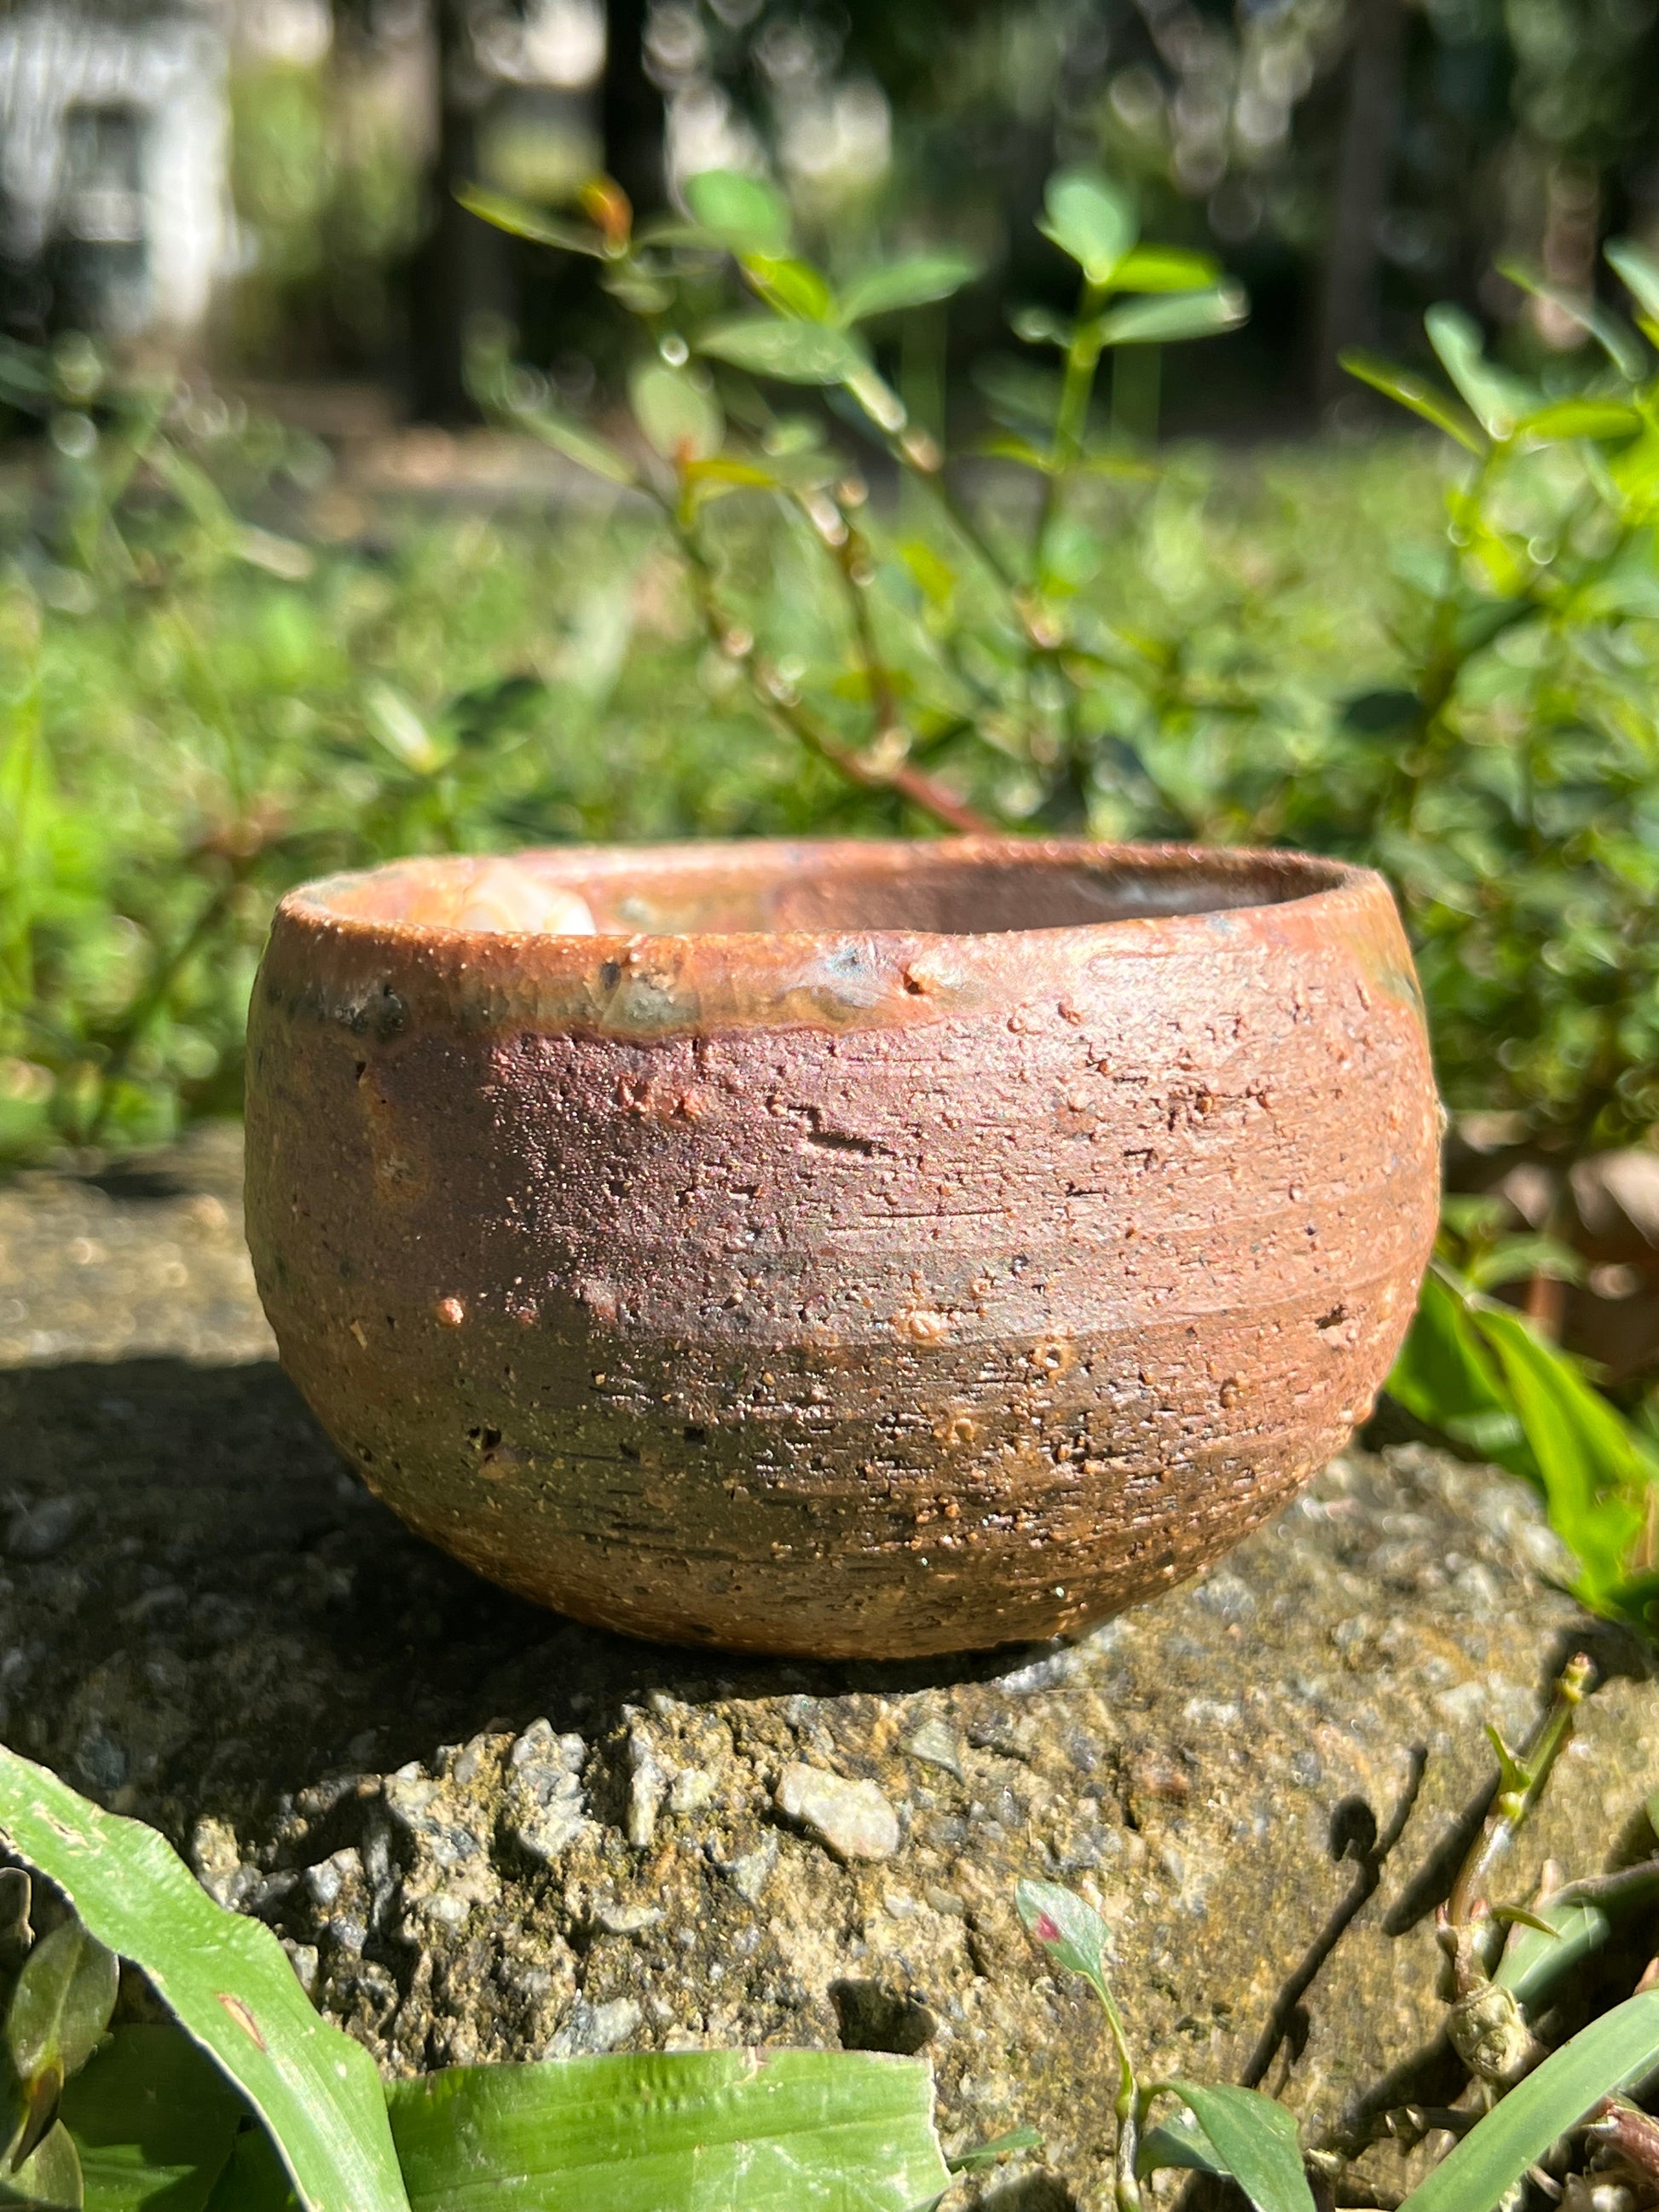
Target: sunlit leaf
[
  {"x": 1410, "y": 390},
  {"x": 152, "y": 2119},
  {"x": 799, "y": 353},
  {"x": 792, "y": 286},
  {"x": 679, "y": 416},
  {"x": 225, "y": 1978},
  {"x": 747, "y": 2130},
  {"x": 1582, "y": 418},
  {"x": 745, "y": 213},
  {"x": 1175, "y": 316},
  {"x": 1603, "y": 2059},
  {"x": 1447, "y": 1378},
  {"x": 1256, "y": 2140},
  {"x": 1006, "y": 446},
  {"x": 1068, "y": 1927},
  {"x": 1595, "y": 1471},
  {"x": 503, "y": 213},
  {"x": 393, "y": 719},
  {"x": 912, "y": 281},
  {"x": 1614, "y": 335},
  {"x": 1498, "y": 399},
  {"x": 1639, "y": 270},
  {"x": 1000, "y": 2147},
  {"x": 1166, "y": 269},
  {"x": 1091, "y": 219}
]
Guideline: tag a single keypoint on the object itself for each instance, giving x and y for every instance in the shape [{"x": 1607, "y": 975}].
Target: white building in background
[{"x": 114, "y": 151}]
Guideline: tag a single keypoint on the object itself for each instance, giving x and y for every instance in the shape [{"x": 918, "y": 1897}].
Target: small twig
[{"x": 777, "y": 699}]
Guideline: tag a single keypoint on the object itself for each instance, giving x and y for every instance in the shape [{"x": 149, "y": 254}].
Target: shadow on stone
[
  {"x": 873, "y": 2017},
  {"x": 253, "y": 1618}
]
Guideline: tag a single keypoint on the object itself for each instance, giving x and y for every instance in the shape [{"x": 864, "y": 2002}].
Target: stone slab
[{"x": 487, "y": 1832}]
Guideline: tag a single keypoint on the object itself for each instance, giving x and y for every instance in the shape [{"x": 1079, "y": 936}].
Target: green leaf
[
  {"x": 502, "y": 213},
  {"x": 1068, "y": 1927},
  {"x": 576, "y": 444},
  {"x": 1256, "y": 2140},
  {"x": 680, "y": 418},
  {"x": 1581, "y": 1917},
  {"x": 744, "y": 214},
  {"x": 1498, "y": 399},
  {"x": 1596, "y": 1473},
  {"x": 745, "y": 2130},
  {"x": 226, "y": 1979},
  {"x": 1006, "y": 446},
  {"x": 1445, "y": 1376},
  {"x": 1090, "y": 218},
  {"x": 1582, "y": 418},
  {"x": 253, "y": 2179},
  {"x": 1639, "y": 270},
  {"x": 60, "y": 2007},
  {"x": 1175, "y": 316},
  {"x": 913, "y": 281},
  {"x": 987, "y": 2153},
  {"x": 61, "y": 2003},
  {"x": 1039, "y": 327},
  {"x": 48, "y": 2180},
  {"x": 1410, "y": 390},
  {"x": 792, "y": 286},
  {"x": 1614, "y": 337},
  {"x": 799, "y": 353},
  {"x": 1166, "y": 269},
  {"x": 152, "y": 2119},
  {"x": 393, "y": 721},
  {"x": 1178, "y": 2143},
  {"x": 1601, "y": 2059}
]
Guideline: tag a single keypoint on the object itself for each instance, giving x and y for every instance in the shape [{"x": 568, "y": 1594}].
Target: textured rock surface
[{"x": 486, "y": 1832}]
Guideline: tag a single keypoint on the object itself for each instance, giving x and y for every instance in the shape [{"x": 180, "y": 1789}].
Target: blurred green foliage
[{"x": 205, "y": 699}]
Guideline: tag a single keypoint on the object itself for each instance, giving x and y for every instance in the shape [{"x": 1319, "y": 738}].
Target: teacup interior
[{"x": 767, "y": 889}]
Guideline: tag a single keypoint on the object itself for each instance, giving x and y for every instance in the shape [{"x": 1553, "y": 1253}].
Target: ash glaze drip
[{"x": 892, "y": 1286}]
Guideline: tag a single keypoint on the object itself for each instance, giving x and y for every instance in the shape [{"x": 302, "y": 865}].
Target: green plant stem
[
  {"x": 1071, "y": 420},
  {"x": 1523, "y": 1784},
  {"x": 777, "y": 701}
]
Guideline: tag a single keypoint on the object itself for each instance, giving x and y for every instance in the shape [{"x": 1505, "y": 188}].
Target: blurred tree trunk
[
  {"x": 462, "y": 269},
  {"x": 1349, "y": 312},
  {"x": 631, "y": 119}
]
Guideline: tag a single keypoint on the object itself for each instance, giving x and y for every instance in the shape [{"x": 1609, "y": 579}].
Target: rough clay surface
[
  {"x": 875, "y": 1290},
  {"x": 487, "y": 1833}
]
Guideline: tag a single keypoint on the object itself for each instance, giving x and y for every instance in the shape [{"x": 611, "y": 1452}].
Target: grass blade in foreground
[
  {"x": 1611, "y": 2052},
  {"x": 226, "y": 1979},
  {"x": 684, "y": 2132}
]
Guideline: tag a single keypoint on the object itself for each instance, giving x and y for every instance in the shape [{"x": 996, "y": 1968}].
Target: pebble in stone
[
  {"x": 592, "y": 2028},
  {"x": 546, "y": 1807},
  {"x": 938, "y": 1743},
  {"x": 749, "y": 1871},
  {"x": 690, "y": 1789},
  {"x": 37, "y": 1532},
  {"x": 625, "y": 1919},
  {"x": 851, "y": 1819},
  {"x": 645, "y": 1789}
]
